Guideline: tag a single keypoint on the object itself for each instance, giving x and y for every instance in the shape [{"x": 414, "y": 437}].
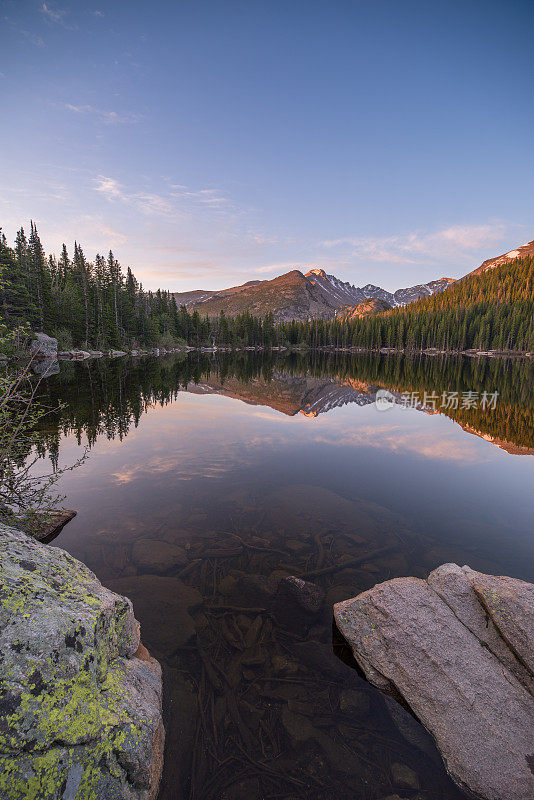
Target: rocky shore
[
  {"x": 80, "y": 697},
  {"x": 45, "y": 349},
  {"x": 458, "y": 651}
]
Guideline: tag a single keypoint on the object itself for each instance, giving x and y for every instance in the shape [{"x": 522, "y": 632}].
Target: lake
[{"x": 211, "y": 477}]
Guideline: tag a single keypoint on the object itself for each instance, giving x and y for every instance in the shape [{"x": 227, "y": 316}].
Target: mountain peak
[
  {"x": 292, "y": 275},
  {"x": 316, "y": 271}
]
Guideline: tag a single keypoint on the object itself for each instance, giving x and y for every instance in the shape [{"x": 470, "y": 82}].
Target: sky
[{"x": 211, "y": 142}]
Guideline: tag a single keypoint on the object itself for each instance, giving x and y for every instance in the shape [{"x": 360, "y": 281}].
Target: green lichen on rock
[{"x": 77, "y": 709}]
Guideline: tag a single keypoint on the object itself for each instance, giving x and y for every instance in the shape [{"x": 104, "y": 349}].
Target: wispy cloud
[
  {"x": 432, "y": 442},
  {"x": 147, "y": 202},
  {"x": 207, "y": 196},
  {"x": 57, "y": 15},
  {"x": 103, "y": 231},
  {"x": 31, "y": 37},
  {"x": 261, "y": 239},
  {"x": 280, "y": 267},
  {"x": 97, "y": 13},
  {"x": 180, "y": 202},
  {"x": 454, "y": 241},
  {"x": 109, "y": 187},
  {"x": 107, "y": 117}
]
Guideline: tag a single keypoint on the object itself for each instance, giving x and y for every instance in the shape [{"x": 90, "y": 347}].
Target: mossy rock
[{"x": 80, "y": 713}]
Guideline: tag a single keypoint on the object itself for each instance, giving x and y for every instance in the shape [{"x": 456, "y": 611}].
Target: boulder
[
  {"x": 80, "y": 698},
  {"x": 43, "y": 345},
  {"x": 410, "y": 729},
  {"x": 510, "y": 604},
  {"x": 116, "y": 353},
  {"x": 423, "y": 642},
  {"x": 308, "y": 596}
]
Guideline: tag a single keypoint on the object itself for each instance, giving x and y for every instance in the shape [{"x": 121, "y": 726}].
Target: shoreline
[{"x": 84, "y": 355}]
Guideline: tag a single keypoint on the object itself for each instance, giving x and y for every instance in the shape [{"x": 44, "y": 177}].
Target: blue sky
[{"x": 210, "y": 143}]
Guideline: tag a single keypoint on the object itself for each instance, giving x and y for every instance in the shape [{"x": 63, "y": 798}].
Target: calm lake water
[{"x": 210, "y": 478}]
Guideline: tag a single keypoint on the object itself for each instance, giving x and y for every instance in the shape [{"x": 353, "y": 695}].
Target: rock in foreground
[
  {"x": 80, "y": 698},
  {"x": 441, "y": 647}
]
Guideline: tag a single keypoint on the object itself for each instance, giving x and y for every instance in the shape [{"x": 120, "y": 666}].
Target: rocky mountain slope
[
  {"x": 520, "y": 252},
  {"x": 367, "y": 308},
  {"x": 340, "y": 291},
  {"x": 403, "y": 296},
  {"x": 295, "y": 295},
  {"x": 289, "y": 296}
]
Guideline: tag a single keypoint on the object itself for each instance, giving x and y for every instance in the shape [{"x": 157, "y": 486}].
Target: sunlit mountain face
[{"x": 297, "y": 295}]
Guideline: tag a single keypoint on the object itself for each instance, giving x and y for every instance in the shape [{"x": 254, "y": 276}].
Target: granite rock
[
  {"x": 44, "y": 346},
  {"x": 80, "y": 698},
  {"x": 427, "y": 652}
]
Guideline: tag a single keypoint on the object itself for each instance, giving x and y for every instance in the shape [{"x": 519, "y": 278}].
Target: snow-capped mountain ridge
[
  {"x": 352, "y": 295},
  {"x": 295, "y": 295}
]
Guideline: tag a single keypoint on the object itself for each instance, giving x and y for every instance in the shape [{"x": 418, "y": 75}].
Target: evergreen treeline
[
  {"x": 83, "y": 303},
  {"x": 95, "y": 305}
]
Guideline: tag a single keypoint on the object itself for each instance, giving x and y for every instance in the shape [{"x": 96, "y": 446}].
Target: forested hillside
[{"x": 92, "y": 304}]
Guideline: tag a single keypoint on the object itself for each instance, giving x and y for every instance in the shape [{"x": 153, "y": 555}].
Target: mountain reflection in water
[
  {"x": 211, "y": 478},
  {"x": 119, "y": 391}
]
